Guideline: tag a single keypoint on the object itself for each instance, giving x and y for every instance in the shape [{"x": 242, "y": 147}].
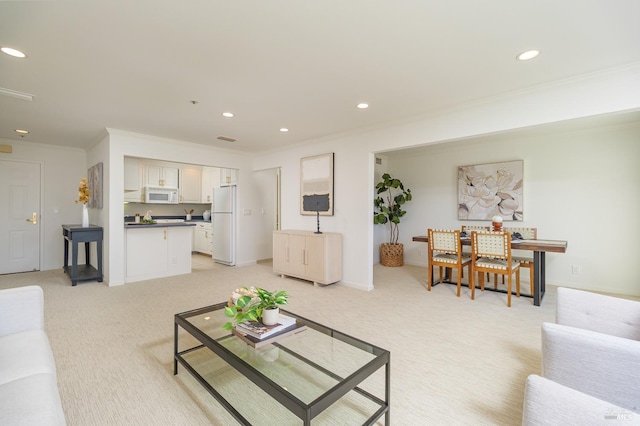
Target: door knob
[{"x": 34, "y": 218}]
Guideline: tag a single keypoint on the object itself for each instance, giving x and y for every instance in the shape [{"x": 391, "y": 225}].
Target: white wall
[
  {"x": 62, "y": 168},
  {"x": 353, "y": 180},
  {"x": 579, "y": 185},
  {"x": 601, "y": 93}
]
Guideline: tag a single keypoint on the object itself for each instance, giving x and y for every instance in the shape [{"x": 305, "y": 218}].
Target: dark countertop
[
  {"x": 133, "y": 225},
  {"x": 129, "y": 222}
]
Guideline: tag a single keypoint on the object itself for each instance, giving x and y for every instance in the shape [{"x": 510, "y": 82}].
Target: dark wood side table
[{"x": 75, "y": 234}]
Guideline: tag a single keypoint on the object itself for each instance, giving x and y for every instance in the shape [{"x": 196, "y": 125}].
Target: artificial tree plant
[{"x": 389, "y": 203}]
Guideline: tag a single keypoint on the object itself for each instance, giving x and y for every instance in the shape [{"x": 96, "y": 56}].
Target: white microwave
[{"x": 155, "y": 195}]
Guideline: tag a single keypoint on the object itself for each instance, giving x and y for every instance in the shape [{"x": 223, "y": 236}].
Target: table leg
[
  {"x": 87, "y": 253},
  {"x": 99, "y": 244},
  {"x": 387, "y": 392},
  {"x": 538, "y": 277},
  {"x": 175, "y": 348},
  {"x": 543, "y": 275},
  {"x": 65, "y": 263},
  {"x": 74, "y": 263}
]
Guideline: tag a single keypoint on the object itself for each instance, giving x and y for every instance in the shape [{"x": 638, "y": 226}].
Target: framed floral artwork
[{"x": 487, "y": 190}]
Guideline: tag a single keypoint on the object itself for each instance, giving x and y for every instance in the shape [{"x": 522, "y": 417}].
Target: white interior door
[{"x": 19, "y": 216}]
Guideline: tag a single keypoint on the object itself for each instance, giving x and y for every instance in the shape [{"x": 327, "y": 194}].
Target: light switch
[{"x": 246, "y": 212}]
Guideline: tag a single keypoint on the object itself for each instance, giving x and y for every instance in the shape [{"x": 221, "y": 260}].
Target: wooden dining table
[{"x": 539, "y": 248}]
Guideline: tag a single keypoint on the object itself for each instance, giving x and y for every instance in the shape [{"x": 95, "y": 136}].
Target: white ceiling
[{"x": 135, "y": 65}]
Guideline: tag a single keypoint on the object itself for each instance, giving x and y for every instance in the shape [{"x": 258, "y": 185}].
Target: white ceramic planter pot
[{"x": 270, "y": 316}]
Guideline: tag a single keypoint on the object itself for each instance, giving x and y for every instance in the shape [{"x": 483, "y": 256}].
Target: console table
[{"x": 75, "y": 234}]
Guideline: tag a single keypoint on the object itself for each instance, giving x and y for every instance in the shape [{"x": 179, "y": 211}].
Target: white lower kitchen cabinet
[
  {"x": 203, "y": 242},
  {"x": 154, "y": 252},
  {"x": 306, "y": 255}
]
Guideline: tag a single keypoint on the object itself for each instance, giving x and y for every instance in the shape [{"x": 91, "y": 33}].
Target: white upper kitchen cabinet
[
  {"x": 132, "y": 180},
  {"x": 228, "y": 177},
  {"x": 190, "y": 184},
  {"x": 161, "y": 176},
  {"x": 210, "y": 180}
]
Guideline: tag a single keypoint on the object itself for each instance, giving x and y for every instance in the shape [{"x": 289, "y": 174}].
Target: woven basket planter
[{"x": 391, "y": 254}]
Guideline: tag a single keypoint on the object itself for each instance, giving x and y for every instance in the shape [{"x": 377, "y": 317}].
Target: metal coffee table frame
[{"x": 306, "y": 412}]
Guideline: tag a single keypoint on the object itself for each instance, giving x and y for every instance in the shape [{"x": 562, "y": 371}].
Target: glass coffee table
[{"x": 318, "y": 374}]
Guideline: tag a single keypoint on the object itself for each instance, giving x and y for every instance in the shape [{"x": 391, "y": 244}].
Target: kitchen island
[{"x": 156, "y": 250}]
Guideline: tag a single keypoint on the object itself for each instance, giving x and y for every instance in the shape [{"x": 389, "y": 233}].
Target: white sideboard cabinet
[{"x": 306, "y": 255}]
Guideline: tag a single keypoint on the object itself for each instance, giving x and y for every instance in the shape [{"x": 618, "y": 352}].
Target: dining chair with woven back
[
  {"x": 491, "y": 253},
  {"x": 525, "y": 261},
  {"x": 467, "y": 229},
  {"x": 445, "y": 251}
]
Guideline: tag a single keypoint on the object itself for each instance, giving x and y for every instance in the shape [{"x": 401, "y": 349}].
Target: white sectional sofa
[
  {"x": 28, "y": 382},
  {"x": 590, "y": 364}
]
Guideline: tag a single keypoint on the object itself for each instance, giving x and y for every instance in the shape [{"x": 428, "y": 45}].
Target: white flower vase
[
  {"x": 270, "y": 316},
  {"x": 85, "y": 216}
]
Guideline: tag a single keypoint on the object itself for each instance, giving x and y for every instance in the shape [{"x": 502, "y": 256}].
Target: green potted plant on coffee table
[{"x": 259, "y": 305}]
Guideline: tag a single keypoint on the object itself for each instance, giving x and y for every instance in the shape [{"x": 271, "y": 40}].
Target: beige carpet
[{"x": 454, "y": 361}]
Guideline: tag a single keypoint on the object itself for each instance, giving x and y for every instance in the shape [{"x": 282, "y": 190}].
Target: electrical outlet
[{"x": 576, "y": 269}]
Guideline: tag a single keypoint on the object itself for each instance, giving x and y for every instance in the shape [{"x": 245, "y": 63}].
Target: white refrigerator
[{"x": 223, "y": 219}]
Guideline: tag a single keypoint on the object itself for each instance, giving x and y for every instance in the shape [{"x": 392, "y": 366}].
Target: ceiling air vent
[{"x": 226, "y": 139}]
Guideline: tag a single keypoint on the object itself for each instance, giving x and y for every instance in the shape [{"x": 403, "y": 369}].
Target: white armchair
[
  {"x": 547, "y": 403},
  {"x": 597, "y": 312},
  {"x": 592, "y": 357}
]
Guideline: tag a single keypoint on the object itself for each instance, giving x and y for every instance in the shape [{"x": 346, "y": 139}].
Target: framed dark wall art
[
  {"x": 95, "y": 186},
  {"x": 487, "y": 190},
  {"x": 316, "y": 185}
]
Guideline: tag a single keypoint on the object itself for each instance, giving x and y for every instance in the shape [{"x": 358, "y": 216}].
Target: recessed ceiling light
[
  {"x": 284, "y": 129},
  {"x": 227, "y": 114},
  {"x": 363, "y": 106},
  {"x": 22, "y": 132},
  {"x": 13, "y": 52},
  {"x": 529, "y": 54}
]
